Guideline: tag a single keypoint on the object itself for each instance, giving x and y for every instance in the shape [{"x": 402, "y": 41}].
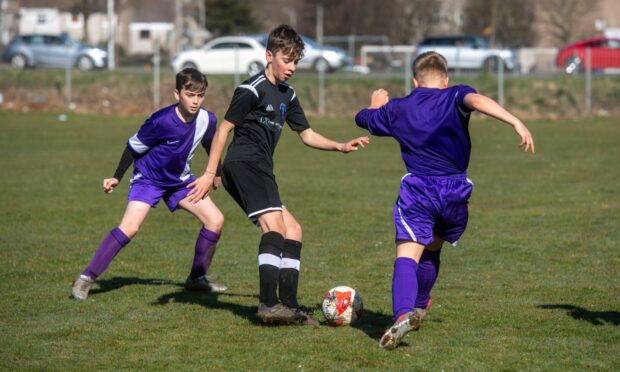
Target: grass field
[{"x": 533, "y": 285}]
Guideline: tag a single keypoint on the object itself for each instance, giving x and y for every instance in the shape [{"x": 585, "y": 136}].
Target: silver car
[
  {"x": 59, "y": 51},
  {"x": 468, "y": 52}
]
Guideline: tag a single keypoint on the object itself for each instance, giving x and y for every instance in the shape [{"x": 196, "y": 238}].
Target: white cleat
[
  {"x": 81, "y": 287},
  {"x": 407, "y": 322}
]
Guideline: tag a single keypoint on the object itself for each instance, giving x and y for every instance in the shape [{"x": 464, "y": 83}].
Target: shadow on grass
[
  {"x": 115, "y": 283},
  {"x": 594, "y": 317},
  {"x": 212, "y": 301},
  {"x": 373, "y": 323}
]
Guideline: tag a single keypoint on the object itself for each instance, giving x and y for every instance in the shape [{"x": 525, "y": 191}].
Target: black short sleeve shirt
[{"x": 258, "y": 110}]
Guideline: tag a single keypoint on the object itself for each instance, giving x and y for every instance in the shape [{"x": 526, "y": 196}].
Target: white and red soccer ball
[{"x": 342, "y": 306}]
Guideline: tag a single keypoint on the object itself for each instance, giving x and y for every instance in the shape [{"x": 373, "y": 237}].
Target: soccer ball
[{"x": 342, "y": 306}]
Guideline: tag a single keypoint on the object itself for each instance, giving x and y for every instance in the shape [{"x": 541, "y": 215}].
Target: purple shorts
[
  {"x": 430, "y": 205},
  {"x": 143, "y": 191}
]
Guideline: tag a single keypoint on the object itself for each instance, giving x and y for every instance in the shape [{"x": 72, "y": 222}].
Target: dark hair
[
  {"x": 429, "y": 63},
  {"x": 286, "y": 40},
  {"x": 192, "y": 80}
]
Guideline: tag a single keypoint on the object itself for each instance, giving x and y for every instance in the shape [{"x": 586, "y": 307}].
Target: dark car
[
  {"x": 604, "y": 54},
  {"x": 60, "y": 51}
]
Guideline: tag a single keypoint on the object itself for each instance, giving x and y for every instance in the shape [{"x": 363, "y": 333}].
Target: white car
[{"x": 224, "y": 55}]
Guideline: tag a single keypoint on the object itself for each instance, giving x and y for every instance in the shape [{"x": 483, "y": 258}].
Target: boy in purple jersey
[
  {"x": 431, "y": 125},
  {"x": 161, "y": 151},
  {"x": 258, "y": 111}
]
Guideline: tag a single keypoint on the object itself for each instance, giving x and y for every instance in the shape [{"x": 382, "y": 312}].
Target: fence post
[
  {"x": 588, "y": 67},
  {"x": 407, "y": 73},
  {"x": 500, "y": 82},
  {"x": 156, "y": 63},
  {"x": 321, "y": 71},
  {"x": 68, "y": 83}
]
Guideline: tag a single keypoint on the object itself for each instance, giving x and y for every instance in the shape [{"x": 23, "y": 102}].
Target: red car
[{"x": 604, "y": 52}]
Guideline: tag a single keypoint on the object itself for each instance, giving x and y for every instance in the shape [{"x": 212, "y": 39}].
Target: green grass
[{"x": 533, "y": 285}]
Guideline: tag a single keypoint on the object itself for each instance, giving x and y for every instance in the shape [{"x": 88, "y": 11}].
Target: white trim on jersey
[
  {"x": 268, "y": 259},
  {"x": 294, "y": 94},
  {"x": 202, "y": 123},
  {"x": 137, "y": 145},
  {"x": 290, "y": 263},
  {"x": 402, "y": 221},
  {"x": 252, "y": 86}
]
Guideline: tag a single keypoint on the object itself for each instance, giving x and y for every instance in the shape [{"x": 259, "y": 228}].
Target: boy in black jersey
[{"x": 257, "y": 112}]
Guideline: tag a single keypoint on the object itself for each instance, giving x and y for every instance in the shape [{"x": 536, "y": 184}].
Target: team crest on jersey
[
  {"x": 282, "y": 111},
  {"x": 269, "y": 108}
]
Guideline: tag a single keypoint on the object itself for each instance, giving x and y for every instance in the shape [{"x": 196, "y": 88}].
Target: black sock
[
  {"x": 289, "y": 273},
  {"x": 269, "y": 253}
]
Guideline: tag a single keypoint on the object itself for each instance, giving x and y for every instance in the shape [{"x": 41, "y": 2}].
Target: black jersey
[{"x": 258, "y": 110}]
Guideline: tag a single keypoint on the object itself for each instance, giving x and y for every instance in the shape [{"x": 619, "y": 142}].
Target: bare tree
[
  {"x": 508, "y": 23},
  {"x": 567, "y": 20}
]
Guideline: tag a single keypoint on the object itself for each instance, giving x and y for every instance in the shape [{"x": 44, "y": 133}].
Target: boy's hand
[
  {"x": 527, "y": 142},
  {"x": 109, "y": 184},
  {"x": 200, "y": 188},
  {"x": 379, "y": 98},
  {"x": 352, "y": 144}
]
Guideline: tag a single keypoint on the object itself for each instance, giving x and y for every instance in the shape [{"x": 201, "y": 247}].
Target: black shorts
[{"x": 253, "y": 186}]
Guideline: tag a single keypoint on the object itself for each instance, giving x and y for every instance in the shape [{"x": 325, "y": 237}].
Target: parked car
[
  {"x": 224, "y": 55},
  {"x": 604, "y": 54},
  {"x": 468, "y": 52},
  {"x": 39, "y": 50},
  {"x": 317, "y": 56}
]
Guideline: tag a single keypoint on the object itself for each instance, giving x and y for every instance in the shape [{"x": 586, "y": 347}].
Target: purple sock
[
  {"x": 108, "y": 249},
  {"x": 203, "y": 253},
  {"x": 404, "y": 286},
  {"x": 428, "y": 270}
]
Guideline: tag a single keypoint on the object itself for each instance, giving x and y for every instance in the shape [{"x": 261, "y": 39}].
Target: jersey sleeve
[
  {"x": 210, "y": 133},
  {"x": 147, "y": 136},
  {"x": 376, "y": 121},
  {"x": 461, "y": 92},
  {"x": 295, "y": 117},
  {"x": 244, "y": 100}
]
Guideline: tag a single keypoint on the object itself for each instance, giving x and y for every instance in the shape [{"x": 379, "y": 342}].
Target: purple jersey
[
  {"x": 165, "y": 145},
  {"x": 431, "y": 126}
]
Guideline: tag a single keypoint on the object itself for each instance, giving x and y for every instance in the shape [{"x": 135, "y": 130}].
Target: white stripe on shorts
[
  {"x": 268, "y": 259},
  {"x": 290, "y": 263},
  {"x": 402, "y": 221}
]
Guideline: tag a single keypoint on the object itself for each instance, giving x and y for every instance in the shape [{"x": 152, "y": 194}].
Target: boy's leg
[
  {"x": 404, "y": 292},
  {"x": 206, "y": 243},
  {"x": 134, "y": 216},
  {"x": 428, "y": 270},
  {"x": 291, "y": 261}
]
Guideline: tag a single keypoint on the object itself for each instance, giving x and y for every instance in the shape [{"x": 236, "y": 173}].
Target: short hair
[
  {"x": 429, "y": 63},
  {"x": 286, "y": 40},
  {"x": 192, "y": 80}
]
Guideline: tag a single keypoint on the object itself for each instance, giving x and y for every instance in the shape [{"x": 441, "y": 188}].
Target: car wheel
[
  {"x": 189, "y": 65},
  {"x": 321, "y": 64},
  {"x": 573, "y": 65},
  {"x": 491, "y": 64},
  {"x": 84, "y": 63},
  {"x": 19, "y": 61},
  {"x": 255, "y": 67}
]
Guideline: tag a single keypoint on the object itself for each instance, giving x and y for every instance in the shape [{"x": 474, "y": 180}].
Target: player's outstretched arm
[
  {"x": 379, "y": 98},
  {"x": 202, "y": 185},
  {"x": 109, "y": 184},
  {"x": 313, "y": 139},
  {"x": 489, "y": 107}
]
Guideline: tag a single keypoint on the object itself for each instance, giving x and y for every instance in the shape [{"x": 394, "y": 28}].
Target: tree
[
  {"x": 567, "y": 20},
  {"x": 508, "y": 23},
  {"x": 231, "y": 17}
]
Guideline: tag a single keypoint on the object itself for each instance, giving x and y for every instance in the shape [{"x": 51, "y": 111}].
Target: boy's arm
[
  {"x": 315, "y": 140},
  {"x": 375, "y": 118},
  {"x": 126, "y": 159},
  {"x": 489, "y": 107},
  {"x": 202, "y": 185}
]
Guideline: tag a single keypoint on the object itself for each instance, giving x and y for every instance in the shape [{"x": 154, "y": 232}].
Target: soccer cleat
[
  {"x": 305, "y": 319},
  {"x": 407, "y": 322},
  {"x": 278, "y": 314},
  {"x": 81, "y": 286},
  {"x": 422, "y": 311},
  {"x": 203, "y": 284}
]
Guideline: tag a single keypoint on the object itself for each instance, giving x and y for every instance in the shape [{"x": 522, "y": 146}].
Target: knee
[
  {"x": 214, "y": 223},
  {"x": 129, "y": 230},
  {"x": 294, "y": 231}
]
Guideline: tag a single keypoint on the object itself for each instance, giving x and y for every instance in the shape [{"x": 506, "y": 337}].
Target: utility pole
[
  {"x": 111, "y": 35},
  {"x": 319, "y": 23}
]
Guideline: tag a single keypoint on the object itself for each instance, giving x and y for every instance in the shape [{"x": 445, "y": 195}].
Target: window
[
  {"x": 41, "y": 19},
  {"x": 145, "y": 34}
]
